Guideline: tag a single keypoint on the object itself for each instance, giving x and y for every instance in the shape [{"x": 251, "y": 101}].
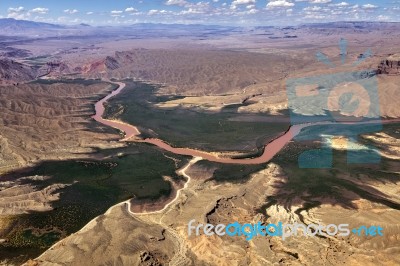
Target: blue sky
[{"x": 226, "y": 12}]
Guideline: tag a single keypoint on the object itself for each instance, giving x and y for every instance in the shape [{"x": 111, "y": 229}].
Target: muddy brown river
[{"x": 270, "y": 149}]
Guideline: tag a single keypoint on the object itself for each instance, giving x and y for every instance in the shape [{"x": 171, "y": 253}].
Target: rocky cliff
[
  {"x": 13, "y": 72},
  {"x": 101, "y": 66},
  {"x": 390, "y": 66}
]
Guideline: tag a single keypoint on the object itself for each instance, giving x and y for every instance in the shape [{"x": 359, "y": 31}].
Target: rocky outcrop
[
  {"x": 14, "y": 72},
  {"x": 58, "y": 67},
  {"x": 101, "y": 66},
  {"x": 111, "y": 63},
  {"x": 54, "y": 69},
  {"x": 390, "y": 66}
]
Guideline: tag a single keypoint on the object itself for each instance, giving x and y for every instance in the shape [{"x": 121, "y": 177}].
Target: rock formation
[{"x": 390, "y": 66}]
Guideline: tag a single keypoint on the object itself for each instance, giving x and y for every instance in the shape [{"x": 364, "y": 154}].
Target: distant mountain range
[
  {"x": 13, "y": 27},
  {"x": 10, "y": 23},
  {"x": 20, "y": 31},
  {"x": 355, "y": 25}
]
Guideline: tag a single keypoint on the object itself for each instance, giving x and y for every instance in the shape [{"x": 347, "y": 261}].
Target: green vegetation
[
  {"x": 37, "y": 61},
  {"x": 78, "y": 81},
  {"x": 94, "y": 186},
  {"x": 40, "y": 57},
  {"x": 188, "y": 127},
  {"x": 319, "y": 186},
  {"x": 234, "y": 173}
]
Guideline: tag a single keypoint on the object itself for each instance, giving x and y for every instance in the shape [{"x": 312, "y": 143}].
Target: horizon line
[{"x": 202, "y": 24}]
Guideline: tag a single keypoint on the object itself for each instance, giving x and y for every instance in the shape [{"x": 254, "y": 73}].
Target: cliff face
[
  {"x": 390, "y": 66},
  {"x": 54, "y": 69},
  {"x": 101, "y": 66},
  {"x": 12, "y": 72}
]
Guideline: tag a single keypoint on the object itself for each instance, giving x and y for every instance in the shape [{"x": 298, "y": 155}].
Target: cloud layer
[{"x": 232, "y": 12}]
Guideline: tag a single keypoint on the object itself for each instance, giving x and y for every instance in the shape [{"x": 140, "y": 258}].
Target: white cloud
[
  {"x": 69, "y": 20},
  {"x": 320, "y": 1},
  {"x": 21, "y": 13},
  {"x": 279, "y": 3},
  {"x": 237, "y": 3},
  {"x": 71, "y": 11},
  {"x": 315, "y": 1},
  {"x": 16, "y": 9},
  {"x": 369, "y": 6},
  {"x": 252, "y": 11},
  {"x": 155, "y": 12},
  {"x": 17, "y": 16},
  {"x": 340, "y": 4},
  {"x": 190, "y": 11},
  {"x": 243, "y": 2},
  {"x": 131, "y": 10},
  {"x": 16, "y": 12},
  {"x": 176, "y": 2},
  {"x": 40, "y": 10},
  {"x": 116, "y": 13},
  {"x": 312, "y": 8},
  {"x": 198, "y": 8},
  {"x": 222, "y": 11},
  {"x": 383, "y": 18},
  {"x": 152, "y": 12},
  {"x": 315, "y": 16}
]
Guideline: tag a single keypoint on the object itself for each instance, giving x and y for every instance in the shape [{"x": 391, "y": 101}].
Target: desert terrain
[{"x": 74, "y": 191}]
